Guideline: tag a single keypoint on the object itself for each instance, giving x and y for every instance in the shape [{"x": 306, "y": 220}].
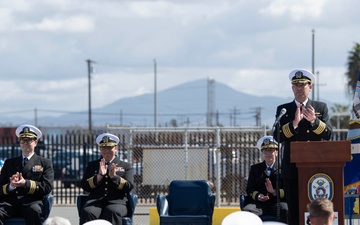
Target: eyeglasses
[
  {"x": 26, "y": 141},
  {"x": 269, "y": 150}
]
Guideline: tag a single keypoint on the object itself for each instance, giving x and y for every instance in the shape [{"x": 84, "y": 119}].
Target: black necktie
[
  {"x": 25, "y": 161},
  {"x": 269, "y": 170}
]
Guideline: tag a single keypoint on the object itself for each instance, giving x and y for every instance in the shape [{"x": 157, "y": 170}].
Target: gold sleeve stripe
[
  {"x": 320, "y": 128},
  {"x": 32, "y": 187},
  {"x": 91, "y": 182},
  {"x": 253, "y": 195},
  {"x": 282, "y": 193},
  {"x": 286, "y": 131},
  {"x": 4, "y": 187},
  {"x": 122, "y": 183}
]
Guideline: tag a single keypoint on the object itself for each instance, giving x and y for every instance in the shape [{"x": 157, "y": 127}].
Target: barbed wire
[{"x": 125, "y": 114}]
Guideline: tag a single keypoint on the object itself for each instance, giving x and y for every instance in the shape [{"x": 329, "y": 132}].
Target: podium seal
[{"x": 320, "y": 185}]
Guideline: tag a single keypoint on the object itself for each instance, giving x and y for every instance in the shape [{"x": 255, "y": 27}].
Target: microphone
[{"x": 282, "y": 113}]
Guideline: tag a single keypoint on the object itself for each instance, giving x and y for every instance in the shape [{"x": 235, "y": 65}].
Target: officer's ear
[{"x": 308, "y": 220}]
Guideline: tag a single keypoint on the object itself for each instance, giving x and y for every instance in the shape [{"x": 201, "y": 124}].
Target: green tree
[
  {"x": 353, "y": 69},
  {"x": 173, "y": 123},
  {"x": 340, "y": 116}
]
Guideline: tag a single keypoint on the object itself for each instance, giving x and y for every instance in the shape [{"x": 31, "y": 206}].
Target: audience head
[
  {"x": 321, "y": 211},
  {"x": 98, "y": 222},
  {"x": 57, "y": 221}
]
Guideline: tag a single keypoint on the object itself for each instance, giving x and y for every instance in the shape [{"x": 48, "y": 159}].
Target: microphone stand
[{"x": 277, "y": 129}]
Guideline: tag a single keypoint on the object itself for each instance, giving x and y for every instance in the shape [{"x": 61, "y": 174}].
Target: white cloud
[
  {"x": 75, "y": 24},
  {"x": 5, "y": 18},
  {"x": 185, "y": 11},
  {"x": 17, "y": 5},
  {"x": 297, "y": 10}
]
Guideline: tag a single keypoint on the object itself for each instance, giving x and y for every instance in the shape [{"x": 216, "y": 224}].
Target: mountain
[{"x": 185, "y": 104}]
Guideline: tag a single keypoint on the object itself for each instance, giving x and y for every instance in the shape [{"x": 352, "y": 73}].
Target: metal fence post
[
  {"x": 186, "y": 153},
  {"x": 218, "y": 167},
  {"x": 264, "y": 129}
]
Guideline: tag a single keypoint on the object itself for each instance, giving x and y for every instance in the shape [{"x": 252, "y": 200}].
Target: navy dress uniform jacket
[
  {"x": 321, "y": 130},
  {"x": 256, "y": 184},
  {"x": 106, "y": 189},
  {"x": 39, "y": 176}
]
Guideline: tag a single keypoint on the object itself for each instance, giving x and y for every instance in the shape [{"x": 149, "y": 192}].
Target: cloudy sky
[{"x": 249, "y": 45}]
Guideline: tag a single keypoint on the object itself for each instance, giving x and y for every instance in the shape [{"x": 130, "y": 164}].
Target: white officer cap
[
  {"x": 98, "y": 222},
  {"x": 301, "y": 76},
  {"x": 266, "y": 142},
  {"x": 107, "y": 139},
  {"x": 28, "y": 131}
]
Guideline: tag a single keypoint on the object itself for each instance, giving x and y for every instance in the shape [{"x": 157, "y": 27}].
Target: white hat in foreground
[
  {"x": 98, "y": 222},
  {"x": 242, "y": 218},
  {"x": 56, "y": 220},
  {"x": 273, "y": 223}
]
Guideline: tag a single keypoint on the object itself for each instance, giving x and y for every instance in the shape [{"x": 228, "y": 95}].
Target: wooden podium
[{"x": 321, "y": 173}]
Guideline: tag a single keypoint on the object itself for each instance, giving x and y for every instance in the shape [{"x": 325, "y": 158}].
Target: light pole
[
  {"x": 36, "y": 117},
  {"x": 155, "y": 96},
  {"x": 318, "y": 84},
  {"x": 89, "y": 62},
  {"x": 313, "y": 61}
]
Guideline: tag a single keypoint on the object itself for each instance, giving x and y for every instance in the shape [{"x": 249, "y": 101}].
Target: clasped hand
[
  {"x": 304, "y": 113},
  {"x": 17, "y": 180},
  {"x": 103, "y": 168}
]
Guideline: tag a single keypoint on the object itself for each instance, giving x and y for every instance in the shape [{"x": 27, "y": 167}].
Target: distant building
[{"x": 7, "y": 135}]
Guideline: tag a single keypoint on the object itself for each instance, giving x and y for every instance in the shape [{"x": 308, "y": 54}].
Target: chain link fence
[{"x": 220, "y": 155}]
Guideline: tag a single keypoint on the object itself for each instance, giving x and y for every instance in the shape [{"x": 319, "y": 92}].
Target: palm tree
[{"x": 353, "y": 69}]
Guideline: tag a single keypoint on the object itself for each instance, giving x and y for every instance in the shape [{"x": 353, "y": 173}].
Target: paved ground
[{"x": 141, "y": 216}]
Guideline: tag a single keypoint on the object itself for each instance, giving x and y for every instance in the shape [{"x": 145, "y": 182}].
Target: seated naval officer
[
  {"x": 108, "y": 180},
  {"x": 261, "y": 185}
]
